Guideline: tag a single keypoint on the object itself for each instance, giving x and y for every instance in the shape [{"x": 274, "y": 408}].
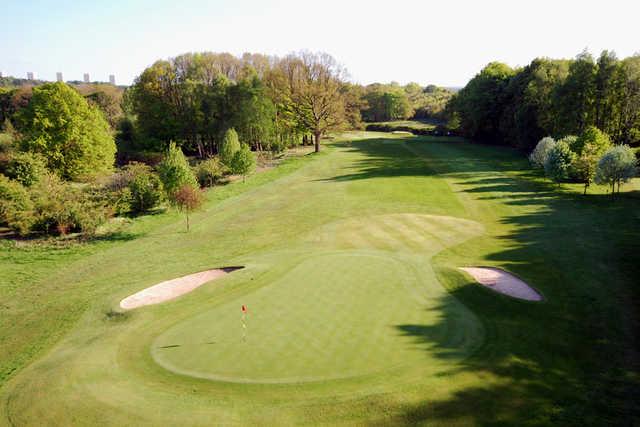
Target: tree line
[{"x": 550, "y": 97}]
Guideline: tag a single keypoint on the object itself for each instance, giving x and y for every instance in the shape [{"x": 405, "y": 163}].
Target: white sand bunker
[
  {"x": 503, "y": 282},
  {"x": 165, "y": 291}
]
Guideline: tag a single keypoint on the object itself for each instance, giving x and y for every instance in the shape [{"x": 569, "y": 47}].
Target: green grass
[{"x": 358, "y": 313}]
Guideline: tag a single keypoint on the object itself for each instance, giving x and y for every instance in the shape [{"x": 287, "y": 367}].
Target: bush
[
  {"x": 539, "y": 155},
  {"x": 135, "y": 188},
  {"x": 26, "y": 168},
  {"x": 210, "y": 172},
  {"x": 15, "y": 206},
  {"x": 229, "y": 147},
  {"x": 51, "y": 206},
  {"x": 145, "y": 189},
  {"x": 6, "y": 142}
]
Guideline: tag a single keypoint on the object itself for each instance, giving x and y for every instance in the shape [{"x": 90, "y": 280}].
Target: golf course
[{"x": 357, "y": 311}]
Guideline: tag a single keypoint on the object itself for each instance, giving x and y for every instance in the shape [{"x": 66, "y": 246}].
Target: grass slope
[{"x": 357, "y": 311}]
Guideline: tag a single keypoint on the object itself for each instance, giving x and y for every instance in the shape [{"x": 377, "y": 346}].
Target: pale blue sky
[{"x": 443, "y": 42}]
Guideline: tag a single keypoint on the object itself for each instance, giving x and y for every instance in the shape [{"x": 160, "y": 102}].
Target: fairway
[{"x": 357, "y": 312}]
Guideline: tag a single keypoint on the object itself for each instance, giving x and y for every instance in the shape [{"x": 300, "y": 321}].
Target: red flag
[{"x": 244, "y": 308}]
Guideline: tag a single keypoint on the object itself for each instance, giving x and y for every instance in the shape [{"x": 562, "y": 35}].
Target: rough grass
[{"x": 357, "y": 312}]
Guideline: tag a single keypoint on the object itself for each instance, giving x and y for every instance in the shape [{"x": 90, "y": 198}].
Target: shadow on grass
[{"x": 572, "y": 360}]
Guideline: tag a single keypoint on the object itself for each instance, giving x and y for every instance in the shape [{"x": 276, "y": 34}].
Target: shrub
[
  {"x": 6, "y": 142},
  {"x": 15, "y": 206},
  {"x": 557, "y": 164},
  {"x": 229, "y": 147},
  {"x": 145, "y": 189},
  {"x": 539, "y": 155},
  {"x": 26, "y": 168},
  {"x": 51, "y": 206},
  {"x": 616, "y": 166},
  {"x": 175, "y": 172},
  {"x": 209, "y": 172}
]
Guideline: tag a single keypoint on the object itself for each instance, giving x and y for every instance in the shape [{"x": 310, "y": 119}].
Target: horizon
[{"x": 127, "y": 38}]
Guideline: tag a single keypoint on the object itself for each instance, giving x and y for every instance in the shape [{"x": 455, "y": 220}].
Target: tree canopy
[{"x": 73, "y": 136}]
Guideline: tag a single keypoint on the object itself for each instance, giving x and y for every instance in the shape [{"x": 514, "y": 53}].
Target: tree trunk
[
  {"x": 317, "y": 141},
  {"x": 187, "y": 213},
  {"x": 585, "y": 189}
]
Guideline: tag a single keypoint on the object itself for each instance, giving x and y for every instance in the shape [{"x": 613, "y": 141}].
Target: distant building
[
  {"x": 58, "y": 76},
  {"x": 112, "y": 79},
  {"x": 30, "y": 75},
  {"x": 86, "y": 77}
]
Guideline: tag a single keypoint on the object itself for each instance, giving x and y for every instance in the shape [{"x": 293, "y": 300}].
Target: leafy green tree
[
  {"x": 617, "y": 165},
  {"x": 629, "y": 101},
  {"x": 229, "y": 147},
  {"x": 480, "y": 103},
  {"x": 175, "y": 172},
  {"x": 251, "y": 112},
  {"x": 244, "y": 162},
  {"x": 313, "y": 85},
  {"x": 74, "y": 137},
  {"x": 386, "y": 103},
  {"x": 575, "y": 97},
  {"x": 558, "y": 162},
  {"x": 538, "y": 156},
  {"x": 589, "y": 147}
]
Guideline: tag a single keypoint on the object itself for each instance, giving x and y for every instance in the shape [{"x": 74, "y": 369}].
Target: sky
[{"x": 443, "y": 42}]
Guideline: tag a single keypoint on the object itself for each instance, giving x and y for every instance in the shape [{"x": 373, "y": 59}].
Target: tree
[
  {"x": 617, "y": 165},
  {"x": 589, "y": 147},
  {"x": 229, "y": 147},
  {"x": 575, "y": 97},
  {"x": 251, "y": 112},
  {"x": 244, "y": 162},
  {"x": 73, "y": 136},
  {"x": 480, "y": 103},
  {"x": 558, "y": 162},
  {"x": 313, "y": 83},
  {"x": 187, "y": 199},
  {"x": 386, "y": 102},
  {"x": 538, "y": 156},
  {"x": 175, "y": 172}
]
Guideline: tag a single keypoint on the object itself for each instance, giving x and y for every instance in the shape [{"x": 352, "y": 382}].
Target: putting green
[{"x": 333, "y": 314}]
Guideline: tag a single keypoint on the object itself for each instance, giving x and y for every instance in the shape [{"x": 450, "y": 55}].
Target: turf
[{"x": 357, "y": 313}]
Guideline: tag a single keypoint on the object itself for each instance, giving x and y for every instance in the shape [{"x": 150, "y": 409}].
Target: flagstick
[{"x": 244, "y": 327}]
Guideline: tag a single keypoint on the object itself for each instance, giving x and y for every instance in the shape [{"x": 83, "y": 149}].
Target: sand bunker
[
  {"x": 165, "y": 291},
  {"x": 503, "y": 282}
]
